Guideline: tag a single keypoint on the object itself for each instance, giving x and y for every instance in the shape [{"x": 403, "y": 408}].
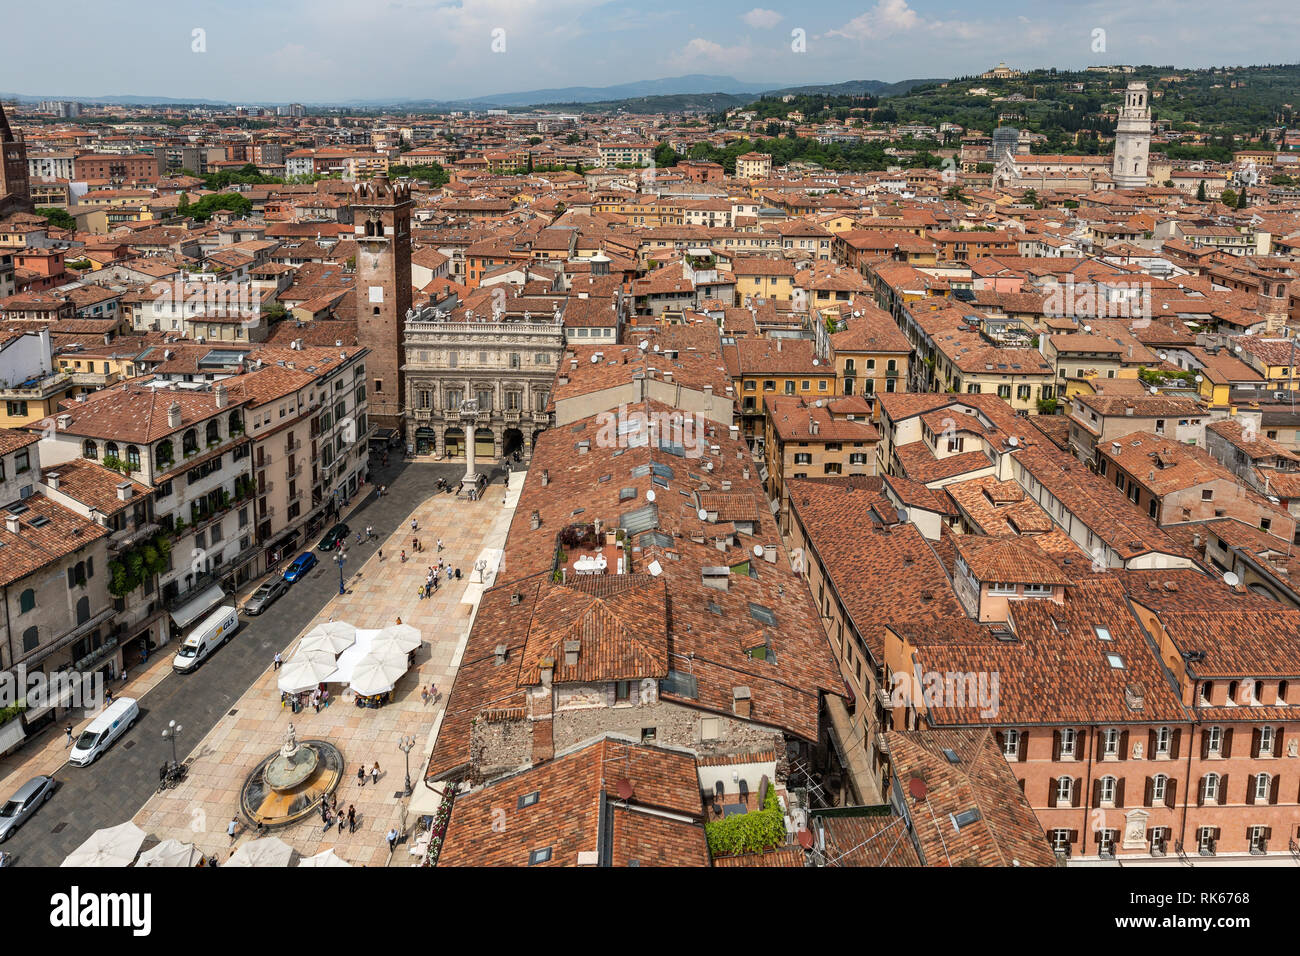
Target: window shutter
[
  {"x": 1151, "y": 744},
  {"x": 1171, "y": 788},
  {"x": 1023, "y": 743},
  {"x": 1268, "y": 833},
  {"x": 1123, "y": 745},
  {"x": 1250, "y": 790},
  {"x": 1277, "y": 741},
  {"x": 1254, "y": 742},
  {"x": 1101, "y": 744},
  {"x": 1173, "y": 744},
  {"x": 1096, "y": 792},
  {"x": 1273, "y": 787},
  {"x": 1223, "y": 789},
  {"x": 1146, "y": 796},
  {"x": 1119, "y": 792},
  {"x": 1226, "y": 750},
  {"x": 1053, "y": 792},
  {"x": 1205, "y": 742},
  {"x": 1076, "y": 791},
  {"x": 72, "y": 578},
  {"x": 1200, "y": 790},
  {"x": 1056, "y": 745},
  {"x": 1217, "y": 832}
]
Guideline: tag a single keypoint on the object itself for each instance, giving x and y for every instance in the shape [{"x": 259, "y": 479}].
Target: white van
[
  {"x": 205, "y": 637},
  {"x": 116, "y": 719}
]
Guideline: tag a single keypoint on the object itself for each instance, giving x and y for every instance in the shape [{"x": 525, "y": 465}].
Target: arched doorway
[
  {"x": 454, "y": 439},
  {"x": 425, "y": 439},
  {"x": 485, "y": 445},
  {"x": 512, "y": 440}
]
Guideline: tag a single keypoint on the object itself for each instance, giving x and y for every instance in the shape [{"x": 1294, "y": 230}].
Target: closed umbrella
[
  {"x": 376, "y": 674},
  {"x": 112, "y": 846},
  {"x": 304, "y": 671},
  {"x": 402, "y": 636},
  {"x": 170, "y": 853},
  {"x": 324, "y": 858},
  {"x": 332, "y": 636},
  {"x": 268, "y": 851}
]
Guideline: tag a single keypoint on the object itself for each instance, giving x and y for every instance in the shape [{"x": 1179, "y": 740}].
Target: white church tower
[{"x": 1132, "y": 139}]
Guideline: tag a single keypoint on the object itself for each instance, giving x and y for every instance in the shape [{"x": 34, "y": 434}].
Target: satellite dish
[
  {"x": 595, "y": 359},
  {"x": 656, "y": 346},
  {"x": 1199, "y": 378},
  {"x": 650, "y": 495},
  {"x": 1230, "y": 579},
  {"x": 1154, "y": 390},
  {"x": 702, "y": 515},
  {"x": 643, "y": 346},
  {"x": 758, "y": 550},
  {"x": 917, "y": 789},
  {"x": 818, "y": 361},
  {"x": 1087, "y": 328},
  {"x": 818, "y": 403},
  {"x": 1013, "y": 441}
]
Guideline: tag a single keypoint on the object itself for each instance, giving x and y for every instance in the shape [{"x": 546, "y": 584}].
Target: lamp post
[
  {"x": 171, "y": 732},
  {"x": 340, "y": 559},
  {"x": 405, "y": 745}
]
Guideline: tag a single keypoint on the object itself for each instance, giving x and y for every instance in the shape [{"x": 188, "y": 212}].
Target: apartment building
[
  {"x": 814, "y": 439},
  {"x": 760, "y": 367}
]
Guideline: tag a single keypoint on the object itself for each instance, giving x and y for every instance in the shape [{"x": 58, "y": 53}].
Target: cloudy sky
[{"x": 338, "y": 50}]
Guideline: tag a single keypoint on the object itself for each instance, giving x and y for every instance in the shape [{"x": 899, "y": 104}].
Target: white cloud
[
  {"x": 700, "y": 53},
  {"x": 761, "y": 19},
  {"x": 886, "y": 18}
]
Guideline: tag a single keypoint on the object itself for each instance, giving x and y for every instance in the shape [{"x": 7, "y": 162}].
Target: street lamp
[
  {"x": 339, "y": 559},
  {"x": 171, "y": 732},
  {"x": 405, "y": 745}
]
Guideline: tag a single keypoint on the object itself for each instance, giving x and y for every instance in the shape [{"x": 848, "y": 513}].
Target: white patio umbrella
[
  {"x": 305, "y": 671},
  {"x": 324, "y": 858},
  {"x": 170, "y": 853},
  {"x": 377, "y": 673},
  {"x": 402, "y": 636},
  {"x": 268, "y": 851},
  {"x": 332, "y": 636},
  {"x": 111, "y": 846}
]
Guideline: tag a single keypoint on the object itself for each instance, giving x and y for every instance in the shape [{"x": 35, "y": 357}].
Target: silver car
[
  {"x": 23, "y": 804},
  {"x": 264, "y": 596}
]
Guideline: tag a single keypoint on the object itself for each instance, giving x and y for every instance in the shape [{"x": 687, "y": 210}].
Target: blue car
[{"x": 301, "y": 565}]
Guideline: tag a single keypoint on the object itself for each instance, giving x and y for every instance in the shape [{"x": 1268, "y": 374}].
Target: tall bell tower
[
  {"x": 381, "y": 216},
  {"x": 15, "y": 196},
  {"x": 1132, "y": 138}
]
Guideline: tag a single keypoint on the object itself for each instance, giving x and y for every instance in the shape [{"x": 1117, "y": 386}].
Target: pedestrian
[
  {"x": 325, "y": 702},
  {"x": 68, "y": 730},
  {"x": 278, "y": 660},
  {"x": 381, "y": 554},
  {"x": 440, "y": 545},
  {"x": 370, "y": 532},
  {"x": 315, "y": 700},
  {"x": 433, "y": 691},
  {"x": 124, "y": 674},
  {"x": 392, "y": 840},
  {"x": 341, "y": 822},
  {"x": 352, "y": 818},
  {"x": 329, "y": 821},
  {"x": 424, "y": 698},
  {"x": 361, "y": 776},
  {"x": 230, "y": 830},
  {"x": 398, "y": 621},
  {"x": 108, "y": 696},
  {"x": 458, "y": 574},
  {"x": 374, "y": 774},
  {"x": 403, "y": 555}
]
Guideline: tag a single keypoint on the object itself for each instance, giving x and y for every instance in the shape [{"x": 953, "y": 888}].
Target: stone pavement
[{"x": 199, "y": 810}]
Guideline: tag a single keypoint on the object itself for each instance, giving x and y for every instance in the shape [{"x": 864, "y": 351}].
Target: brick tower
[
  {"x": 381, "y": 214},
  {"x": 14, "y": 194}
]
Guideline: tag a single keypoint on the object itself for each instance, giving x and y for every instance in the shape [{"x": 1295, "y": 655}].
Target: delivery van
[
  {"x": 205, "y": 637},
  {"x": 116, "y": 719}
]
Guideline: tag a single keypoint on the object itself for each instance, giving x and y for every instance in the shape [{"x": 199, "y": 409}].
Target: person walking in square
[
  {"x": 374, "y": 774},
  {"x": 68, "y": 730},
  {"x": 230, "y": 830},
  {"x": 392, "y": 840},
  {"x": 361, "y": 775},
  {"x": 278, "y": 660},
  {"x": 352, "y": 818},
  {"x": 440, "y": 545}
]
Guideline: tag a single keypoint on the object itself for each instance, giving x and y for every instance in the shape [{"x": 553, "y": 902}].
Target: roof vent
[
  {"x": 741, "y": 702},
  {"x": 11, "y": 524},
  {"x": 571, "y": 651},
  {"x": 501, "y": 652},
  {"x": 515, "y": 599}
]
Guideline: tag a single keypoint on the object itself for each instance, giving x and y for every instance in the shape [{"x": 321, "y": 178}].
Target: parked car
[
  {"x": 23, "y": 804},
  {"x": 301, "y": 565},
  {"x": 334, "y": 537},
  {"x": 265, "y": 596}
]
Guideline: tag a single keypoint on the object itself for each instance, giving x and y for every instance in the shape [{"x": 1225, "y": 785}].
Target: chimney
[
  {"x": 769, "y": 553},
  {"x": 535, "y": 520},
  {"x": 548, "y": 671},
  {"x": 11, "y": 524},
  {"x": 745, "y": 471},
  {"x": 515, "y": 599},
  {"x": 741, "y": 702},
  {"x": 174, "y": 415},
  {"x": 124, "y": 491},
  {"x": 220, "y": 394},
  {"x": 1128, "y": 410},
  {"x": 63, "y": 421},
  {"x": 546, "y": 477},
  {"x": 52, "y": 480},
  {"x": 501, "y": 651},
  {"x": 571, "y": 649}
]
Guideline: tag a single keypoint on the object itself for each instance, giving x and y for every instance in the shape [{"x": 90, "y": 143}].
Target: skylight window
[
  {"x": 1102, "y": 633},
  {"x": 1115, "y": 661},
  {"x": 528, "y": 799},
  {"x": 763, "y": 615},
  {"x": 539, "y": 856},
  {"x": 965, "y": 818}
]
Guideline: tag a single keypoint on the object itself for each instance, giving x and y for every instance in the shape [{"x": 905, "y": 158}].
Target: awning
[
  {"x": 11, "y": 733},
  {"x": 192, "y": 610}
]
